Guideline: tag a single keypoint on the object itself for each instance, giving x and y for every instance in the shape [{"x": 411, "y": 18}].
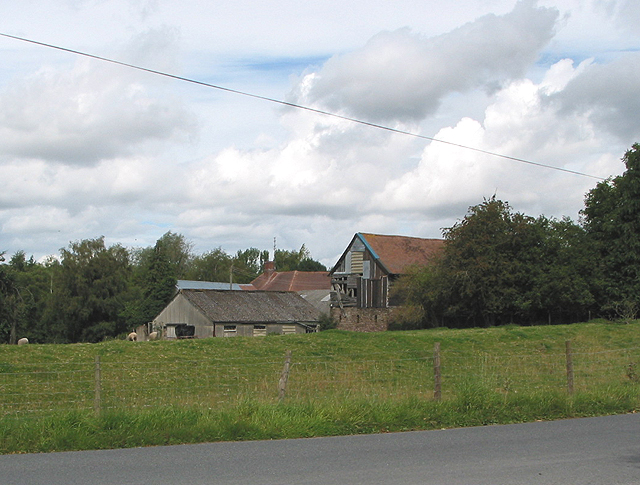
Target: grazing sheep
[
  {"x": 153, "y": 336},
  {"x": 132, "y": 337},
  {"x": 23, "y": 341}
]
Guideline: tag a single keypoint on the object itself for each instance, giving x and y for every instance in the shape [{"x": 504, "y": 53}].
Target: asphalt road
[{"x": 580, "y": 451}]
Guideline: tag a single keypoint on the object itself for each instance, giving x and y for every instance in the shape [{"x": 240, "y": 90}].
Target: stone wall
[{"x": 363, "y": 319}]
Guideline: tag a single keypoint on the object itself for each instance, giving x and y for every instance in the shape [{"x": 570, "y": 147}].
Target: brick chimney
[{"x": 269, "y": 268}]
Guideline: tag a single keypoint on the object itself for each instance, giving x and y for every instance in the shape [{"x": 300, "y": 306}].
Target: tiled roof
[
  {"x": 293, "y": 281},
  {"x": 252, "y": 306},
  {"x": 397, "y": 253}
]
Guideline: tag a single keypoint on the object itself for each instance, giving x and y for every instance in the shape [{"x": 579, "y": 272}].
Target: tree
[
  {"x": 153, "y": 283},
  {"x": 33, "y": 283},
  {"x": 9, "y": 303},
  {"x": 490, "y": 261},
  {"x": 89, "y": 292},
  {"x": 500, "y": 267},
  {"x": 213, "y": 265},
  {"x": 421, "y": 297},
  {"x": 248, "y": 264},
  {"x": 178, "y": 252},
  {"x": 612, "y": 221},
  {"x": 309, "y": 264},
  {"x": 160, "y": 282},
  {"x": 296, "y": 260},
  {"x": 565, "y": 284}
]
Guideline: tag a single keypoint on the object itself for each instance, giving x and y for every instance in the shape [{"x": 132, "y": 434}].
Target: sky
[{"x": 89, "y": 148}]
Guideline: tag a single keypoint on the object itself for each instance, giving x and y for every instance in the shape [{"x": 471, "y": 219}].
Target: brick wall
[{"x": 363, "y": 319}]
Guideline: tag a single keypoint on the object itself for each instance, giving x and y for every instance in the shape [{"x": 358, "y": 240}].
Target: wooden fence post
[
  {"x": 97, "y": 398},
  {"x": 284, "y": 377},
  {"x": 437, "y": 384},
  {"x": 569, "y": 367}
]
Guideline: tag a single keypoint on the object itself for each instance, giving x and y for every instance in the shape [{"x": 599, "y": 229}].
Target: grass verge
[{"x": 473, "y": 406}]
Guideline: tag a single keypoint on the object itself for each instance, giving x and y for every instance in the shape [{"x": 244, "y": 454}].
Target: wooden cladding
[
  {"x": 352, "y": 290},
  {"x": 357, "y": 258},
  {"x": 372, "y": 293}
]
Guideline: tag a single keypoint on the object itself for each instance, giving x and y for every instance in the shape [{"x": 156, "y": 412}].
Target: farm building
[
  {"x": 209, "y": 285},
  {"x": 362, "y": 277},
  {"x": 272, "y": 280},
  {"x": 313, "y": 286},
  {"x": 229, "y": 313}
]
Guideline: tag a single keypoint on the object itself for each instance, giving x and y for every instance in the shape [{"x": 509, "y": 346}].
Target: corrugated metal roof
[
  {"x": 252, "y": 306},
  {"x": 293, "y": 281},
  {"x": 206, "y": 285}
]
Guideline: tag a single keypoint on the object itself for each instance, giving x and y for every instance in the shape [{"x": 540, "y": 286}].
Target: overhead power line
[{"x": 298, "y": 106}]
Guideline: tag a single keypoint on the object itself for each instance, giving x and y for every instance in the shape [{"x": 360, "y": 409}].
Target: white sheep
[
  {"x": 153, "y": 336},
  {"x": 132, "y": 337},
  {"x": 23, "y": 341}
]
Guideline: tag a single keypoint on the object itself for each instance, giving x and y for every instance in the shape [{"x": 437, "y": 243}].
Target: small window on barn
[
  {"x": 185, "y": 331},
  {"x": 259, "y": 330},
  {"x": 288, "y": 329},
  {"x": 230, "y": 330},
  {"x": 366, "y": 270}
]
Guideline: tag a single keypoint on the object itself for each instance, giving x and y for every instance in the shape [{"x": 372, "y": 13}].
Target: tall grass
[
  {"x": 157, "y": 393},
  {"x": 170, "y": 425}
]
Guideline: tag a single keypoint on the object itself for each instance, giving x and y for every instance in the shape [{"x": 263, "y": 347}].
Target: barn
[
  {"x": 203, "y": 313},
  {"x": 363, "y": 276}
]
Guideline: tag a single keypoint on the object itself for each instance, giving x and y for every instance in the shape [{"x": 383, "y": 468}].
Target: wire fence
[{"x": 102, "y": 384}]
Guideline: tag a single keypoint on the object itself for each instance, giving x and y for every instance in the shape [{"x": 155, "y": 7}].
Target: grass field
[{"x": 124, "y": 394}]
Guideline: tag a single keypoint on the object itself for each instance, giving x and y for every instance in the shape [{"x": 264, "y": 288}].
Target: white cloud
[
  {"x": 90, "y": 149},
  {"x": 519, "y": 124},
  {"x": 403, "y": 76},
  {"x": 93, "y": 111},
  {"x": 607, "y": 95},
  {"x": 626, "y": 13}
]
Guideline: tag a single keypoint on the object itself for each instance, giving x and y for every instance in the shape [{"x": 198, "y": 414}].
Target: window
[
  {"x": 185, "y": 331},
  {"x": 259, "y": 330},
  {"x": 288, "y": 329},
  {"x": 366, "y": 270},
  {"x": 230, "y": 331}
]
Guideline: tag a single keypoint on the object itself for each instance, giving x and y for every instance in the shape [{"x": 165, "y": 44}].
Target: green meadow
[{"x": 127, "y": 394}]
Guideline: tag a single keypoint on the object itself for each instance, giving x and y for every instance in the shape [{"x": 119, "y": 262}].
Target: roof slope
[
  {"x": 397, "y": 253},
  {"x": 321, "y": 299},
  {"x": 293, "y": 281},
  {"x": 252, "y": 306},
  {"x": 206, "y": 285}
]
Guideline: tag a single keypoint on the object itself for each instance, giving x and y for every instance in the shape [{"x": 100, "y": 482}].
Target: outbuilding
[
  {"x": 363, "y": 276},
  {"x": 203, "y": 313}
]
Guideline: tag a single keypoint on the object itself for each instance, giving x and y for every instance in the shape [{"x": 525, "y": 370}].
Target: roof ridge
[
  {"x": 272, "y": 276},
  {"x": 293, "y": 279},
  {"x": 401, "y": 236}
]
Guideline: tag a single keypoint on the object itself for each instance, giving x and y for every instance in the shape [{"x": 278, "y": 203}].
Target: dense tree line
[
  {"x": 92, "y": 292},
  {"x": 500, "y": 266}
]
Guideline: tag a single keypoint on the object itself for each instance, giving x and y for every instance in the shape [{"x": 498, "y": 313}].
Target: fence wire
[{"x": 38, "y": 389}]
